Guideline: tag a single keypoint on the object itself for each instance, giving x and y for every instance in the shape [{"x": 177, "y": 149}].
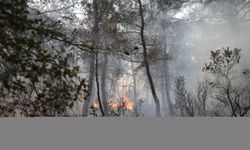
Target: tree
[
  {"x": 203, "y": 92},
  {"x": 227, "y": 92},
  {"x": 151, "y": 83},
  {"x": 36, "y": 77},
  {"x": 106, "y": 44},
  {"x": 184, "y": 99}
]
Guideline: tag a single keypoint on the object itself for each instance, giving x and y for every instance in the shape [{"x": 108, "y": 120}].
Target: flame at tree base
[
  {"x": 126, "y": 104},
  {"x": 114, "y": 106},
  {"x": 95, "y": 105},
  {"x": 129, "y": 105}
]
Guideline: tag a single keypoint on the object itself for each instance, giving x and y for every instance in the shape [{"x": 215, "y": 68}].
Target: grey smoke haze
[
  {"x": 198, "y": 30},
  {"x": 210, "y": 33},
  {"x": 201, "y": 30}
]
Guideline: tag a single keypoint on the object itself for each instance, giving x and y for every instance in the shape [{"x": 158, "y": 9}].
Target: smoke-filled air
[{"x": 125, "y": 58}]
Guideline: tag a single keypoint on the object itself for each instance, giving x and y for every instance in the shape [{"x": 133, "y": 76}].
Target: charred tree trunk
[{"x": 151, "y": 83}]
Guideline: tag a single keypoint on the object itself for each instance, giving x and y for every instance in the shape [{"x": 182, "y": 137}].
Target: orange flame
[
  {"x": 128, "y": 103},
  {"x": 113, "y": 105},
  {"x": 95, "y": 104}
]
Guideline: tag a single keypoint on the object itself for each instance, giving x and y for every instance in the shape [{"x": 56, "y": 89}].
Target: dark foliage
[{"x": 36, "y": 79}]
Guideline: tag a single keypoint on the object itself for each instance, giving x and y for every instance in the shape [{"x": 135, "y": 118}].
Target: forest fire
[
  {"x": 128, "y": 103},
  {"x": 125, "y": 103},
  {"x": 114, "y": 106}
]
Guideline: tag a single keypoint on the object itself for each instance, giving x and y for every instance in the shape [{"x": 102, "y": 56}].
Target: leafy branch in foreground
[{"x": 36, "y": 77}]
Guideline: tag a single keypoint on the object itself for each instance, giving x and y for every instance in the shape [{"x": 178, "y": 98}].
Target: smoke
[
  {"x": 198, "y": 30},
  {"x": 216, "y": 26}
]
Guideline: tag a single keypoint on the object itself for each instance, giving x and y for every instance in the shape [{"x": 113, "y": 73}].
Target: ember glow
[
  {"x": 114, "y": 106},
  {"x": 128, "y": 103},
  {"x": 95, "y": 104}
]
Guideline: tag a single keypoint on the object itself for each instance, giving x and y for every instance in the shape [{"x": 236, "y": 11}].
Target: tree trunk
[
  {"x": 167, "y": 82},
  {"x": 151, "y": 83},
  {"x": 90, "y": 85},
  {"x": 98, "y": 87},
  {"x": 105, "y": 36},
  {"x": 103, "y": 85},
  {"x": 164, "y": 102},
  {"x": 97, "y": 41},
  {"x": 204, "y": 108},
  {"x": 135, "y": 86}
]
